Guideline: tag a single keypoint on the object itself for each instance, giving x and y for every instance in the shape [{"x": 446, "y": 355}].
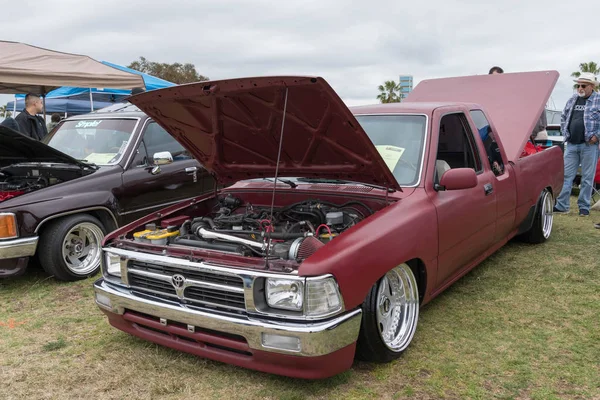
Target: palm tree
[
  {"x": 586, "y": 67},
  {"x": 390, "y": 92}
]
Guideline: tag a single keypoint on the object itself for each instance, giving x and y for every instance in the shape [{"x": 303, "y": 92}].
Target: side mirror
[
  {"x": 458, "y": 179},
  {"x": 161, "y": 158}
]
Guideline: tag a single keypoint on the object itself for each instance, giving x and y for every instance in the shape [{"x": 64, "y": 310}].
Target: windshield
[
  {"x": 97, "y": 141},
  {"x": 399, "y": 140}
]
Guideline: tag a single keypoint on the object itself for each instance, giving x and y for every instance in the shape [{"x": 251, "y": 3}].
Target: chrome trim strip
[
  {"x": 54, "y": 216},
  {"x": 196, "y": 266},
  {"x": 317, "y": 338},
  {"x": 15, "y": 248},
  {"x": 424, "y": 141},
  {"x": 159, "y": 206}
]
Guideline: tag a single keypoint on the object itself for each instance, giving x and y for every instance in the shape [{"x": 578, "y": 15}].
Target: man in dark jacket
[{"x": 31, "y": 124}]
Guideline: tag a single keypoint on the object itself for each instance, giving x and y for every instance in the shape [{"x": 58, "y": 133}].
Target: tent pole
[
  {"x": 91, "y": 101},
  {"x": 15, "y": 105},
  {"x": 44, "y": 102}
]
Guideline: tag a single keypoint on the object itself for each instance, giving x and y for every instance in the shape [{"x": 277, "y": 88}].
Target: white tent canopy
[{"x": 29, "y": 69}]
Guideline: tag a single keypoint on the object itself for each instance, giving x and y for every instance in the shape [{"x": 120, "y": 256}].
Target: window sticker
[
  {"x": 88, "y": 124},
  {"x": 390, "y": 154},
  {"x": 99, "y": 158},
  {"x": 123, "y": 145}
]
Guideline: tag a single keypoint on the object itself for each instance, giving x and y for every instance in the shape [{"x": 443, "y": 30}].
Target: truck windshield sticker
[
  {"x": 123, "y": 145},
  {"x": 87, "y": 124},
  {"x": 390, "y": 154},
  {"x": 99, "y": 158}
]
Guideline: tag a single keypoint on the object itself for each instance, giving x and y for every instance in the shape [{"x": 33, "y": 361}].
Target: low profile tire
[
  {"x": 390, "y": 316},
  {"x": 542, "y": 222},
  {"x": 69, "y": 247}
]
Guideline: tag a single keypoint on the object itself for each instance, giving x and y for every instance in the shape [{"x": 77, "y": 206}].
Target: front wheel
[
  {"x": 390, "y": 316},
  {"x": 69, "y": 247}
]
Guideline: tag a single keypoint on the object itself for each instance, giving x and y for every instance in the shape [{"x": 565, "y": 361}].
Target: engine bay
[
  {"x": 16, "y": 180},
  {"x": 291, "y": 232}
]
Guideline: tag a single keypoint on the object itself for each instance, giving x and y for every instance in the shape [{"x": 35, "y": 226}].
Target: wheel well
[
  {"x": 103, "y": 216},
  {"x": 418, "y": 268}
]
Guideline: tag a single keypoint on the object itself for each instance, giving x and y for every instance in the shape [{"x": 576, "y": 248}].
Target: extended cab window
[
  {"x": 156, "y": 140},
  {"x": 456, "y": 145},
  {"x": 399, "y": 139},
  {"x": 489, "y": 141}
]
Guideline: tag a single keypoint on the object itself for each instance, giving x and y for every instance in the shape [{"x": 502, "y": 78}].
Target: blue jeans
[{"x": 575, "y": 154}]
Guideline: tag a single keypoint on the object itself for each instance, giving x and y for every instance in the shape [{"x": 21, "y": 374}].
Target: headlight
[
  {"x": 8, "y": 226},
  {"x": 286, "y": 294},
  {"x": 322, "y": 297},
  {"x": 112, "y": 264},
  {"x": 314, "y": 297}
]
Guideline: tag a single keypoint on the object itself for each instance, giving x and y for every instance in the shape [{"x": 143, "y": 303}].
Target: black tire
[
  {"x": 541, "y": 228},
  {"x": 371, "y": 346},
  {"x": 54, "y": 239}
]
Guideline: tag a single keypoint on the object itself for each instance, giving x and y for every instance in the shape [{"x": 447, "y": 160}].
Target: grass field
[{"x": 525, "y": 324}]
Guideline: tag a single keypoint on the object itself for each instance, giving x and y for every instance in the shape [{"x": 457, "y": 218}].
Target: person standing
[
  {"x": 53, "y": 122},
  {"x": 31, "y": 124},
  {"x": 580, "y": 125}
]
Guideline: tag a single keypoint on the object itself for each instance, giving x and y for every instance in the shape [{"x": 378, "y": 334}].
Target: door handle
[
  {"x": 488, "y": 189},
  {"x": 189, "y": 170}
]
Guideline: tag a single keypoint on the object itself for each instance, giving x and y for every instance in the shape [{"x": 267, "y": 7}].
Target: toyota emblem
[{"x": 178, "y": 281}]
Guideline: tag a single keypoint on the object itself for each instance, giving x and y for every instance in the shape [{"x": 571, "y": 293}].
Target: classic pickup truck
[
  {"x": 90, "y": 175},
  {"x": 339, "y": 223}
]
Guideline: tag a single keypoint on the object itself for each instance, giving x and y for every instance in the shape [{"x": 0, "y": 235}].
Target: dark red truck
[{"x": 375, "y": 211}]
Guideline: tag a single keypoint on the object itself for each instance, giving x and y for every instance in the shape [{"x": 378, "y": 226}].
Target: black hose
[{"x": 205, "y": 219}]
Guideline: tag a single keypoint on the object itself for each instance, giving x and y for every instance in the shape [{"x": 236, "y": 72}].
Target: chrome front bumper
[
  {"x": 316, "y": 338},
  {"x": 16, "y": 248}
]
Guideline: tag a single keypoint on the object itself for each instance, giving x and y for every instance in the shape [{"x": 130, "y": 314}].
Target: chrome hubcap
[
  {"x": 547, "y": 214},
  {"x": 81, "y": 248},
  {"x": 397, "y": 307}
]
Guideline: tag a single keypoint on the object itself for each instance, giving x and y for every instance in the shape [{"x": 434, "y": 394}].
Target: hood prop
[{"x": 276, "y": 173}]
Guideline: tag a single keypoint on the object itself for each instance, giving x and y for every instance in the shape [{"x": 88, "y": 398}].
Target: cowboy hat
[{"x": 586, "y": 77}]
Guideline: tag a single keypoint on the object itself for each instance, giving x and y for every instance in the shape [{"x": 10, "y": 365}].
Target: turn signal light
[{"x": 8, "y": 226}]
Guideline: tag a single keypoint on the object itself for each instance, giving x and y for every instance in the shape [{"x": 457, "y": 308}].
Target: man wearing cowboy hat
[{"x": 580, "y": 125}]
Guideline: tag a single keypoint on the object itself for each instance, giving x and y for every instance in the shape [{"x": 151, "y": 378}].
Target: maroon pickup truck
[{"x": 340, "y": 222}]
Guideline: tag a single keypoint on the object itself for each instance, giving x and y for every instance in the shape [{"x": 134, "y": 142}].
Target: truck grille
[{"x": 200, "y": 288}]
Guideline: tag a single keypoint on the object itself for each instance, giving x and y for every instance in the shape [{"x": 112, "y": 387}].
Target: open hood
[
  {"x": 513, "y": 101},
  {"x": 233, "y": 127},
  {"x": 15, "y": 148}
]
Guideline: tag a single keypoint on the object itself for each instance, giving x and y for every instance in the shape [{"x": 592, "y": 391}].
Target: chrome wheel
[
  {"x": 81, "y": 248},
  {"x": 397, "y": 307},
  {"x": 547, "y": 214}
]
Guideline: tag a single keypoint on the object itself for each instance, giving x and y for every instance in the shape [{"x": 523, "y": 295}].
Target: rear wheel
[
  {"x": 69, "y": 247},
  {"x": 390, "y": 316},
  {"x": 542, "y": 222}
]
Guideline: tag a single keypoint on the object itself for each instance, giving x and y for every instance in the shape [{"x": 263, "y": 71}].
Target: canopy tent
[
  {"x": 90, "y": 96},
  {"x": 30, "y": 69},
  {"x": 62, "y": 106},
  {"x": 150, "y": 82}
]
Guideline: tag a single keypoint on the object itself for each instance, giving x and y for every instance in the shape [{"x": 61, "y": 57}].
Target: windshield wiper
[
  {"x": 86, "y": 162},
  {"x": 287, "y": 181},
  {"x": 345, "y": 182}
]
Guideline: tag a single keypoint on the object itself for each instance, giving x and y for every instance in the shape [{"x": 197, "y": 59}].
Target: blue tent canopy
[
  {"x": 61, "y": 106},
  {"x": 76, "y": 100}
]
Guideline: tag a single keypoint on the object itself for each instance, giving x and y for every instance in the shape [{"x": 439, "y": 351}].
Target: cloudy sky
[{"x": 355, "y": 46}]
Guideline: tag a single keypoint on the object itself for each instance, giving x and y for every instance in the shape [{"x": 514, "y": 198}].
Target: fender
[
  {"x": 527, "y": 224},
  {"x": 77, "y": 211},
  {"x": 359, "y": 257}
]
